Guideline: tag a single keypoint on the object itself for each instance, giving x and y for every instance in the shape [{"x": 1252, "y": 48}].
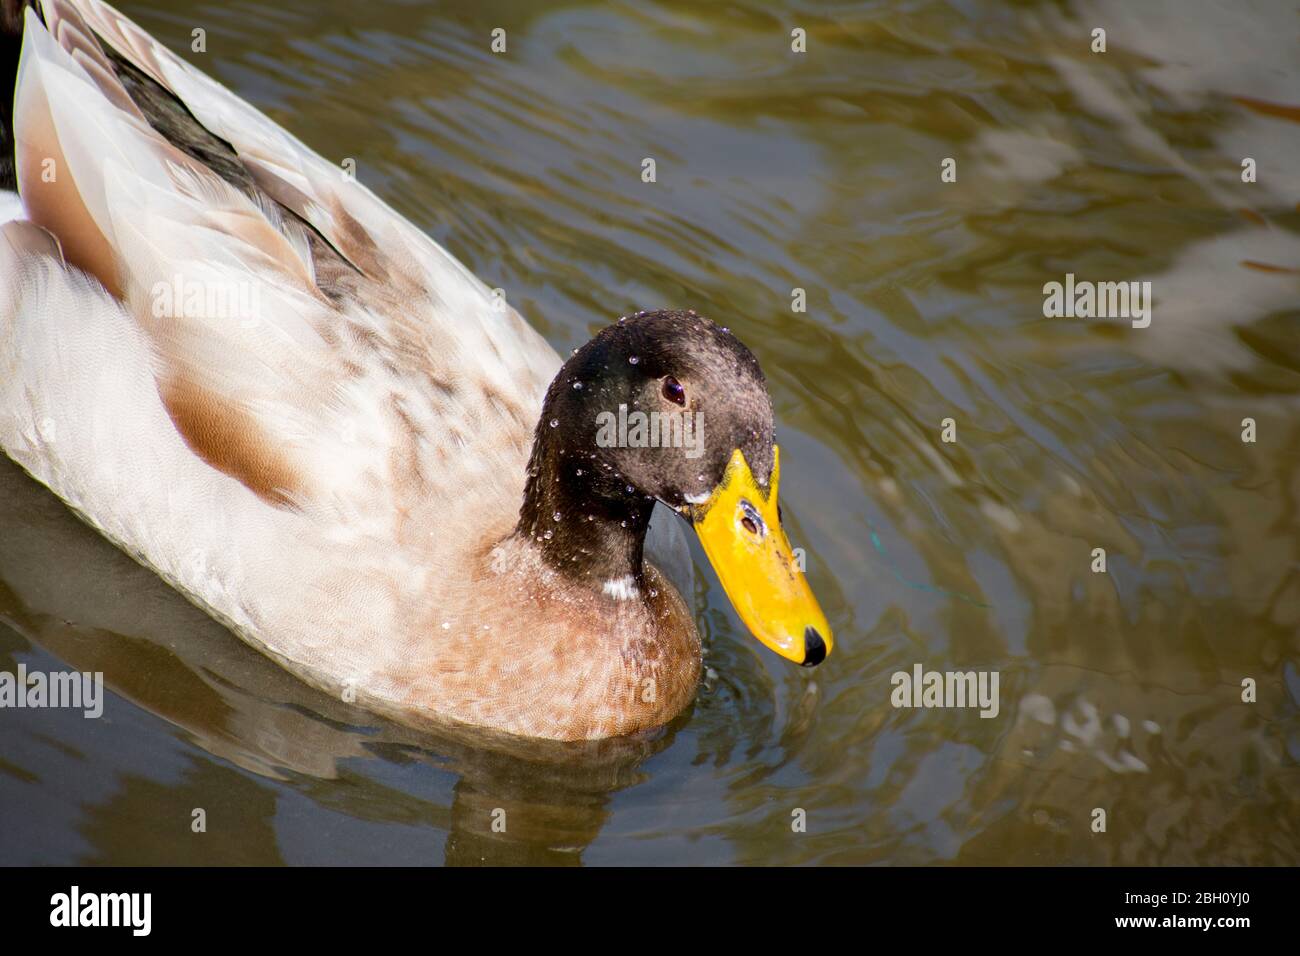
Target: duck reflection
[{"x": 68, "y": 591}]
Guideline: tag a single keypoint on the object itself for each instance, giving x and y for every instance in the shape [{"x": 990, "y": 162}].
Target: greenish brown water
[{"x": 775, "y": 170}]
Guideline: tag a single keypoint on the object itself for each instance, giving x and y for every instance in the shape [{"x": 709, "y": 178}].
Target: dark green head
[{"x": 669, "y": 406}]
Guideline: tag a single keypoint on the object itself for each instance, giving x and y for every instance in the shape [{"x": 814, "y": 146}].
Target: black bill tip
[{"x": 814, "y": 648}]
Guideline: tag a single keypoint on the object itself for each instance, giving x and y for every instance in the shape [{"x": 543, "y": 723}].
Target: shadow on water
[{"x": 90, "y": 608}]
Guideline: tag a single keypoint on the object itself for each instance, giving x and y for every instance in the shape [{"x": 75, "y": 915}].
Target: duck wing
[{"x": 307, "y": 340}]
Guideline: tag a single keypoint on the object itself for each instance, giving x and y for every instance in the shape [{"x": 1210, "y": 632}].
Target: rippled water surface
[{"x": 1121, "y": 691}]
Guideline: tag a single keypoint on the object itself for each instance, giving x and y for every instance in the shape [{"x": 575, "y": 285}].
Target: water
[{"x": 1120, "y": 691}]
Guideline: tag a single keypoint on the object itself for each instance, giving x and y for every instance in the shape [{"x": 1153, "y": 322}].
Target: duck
[{"x": 249, "y": 373}]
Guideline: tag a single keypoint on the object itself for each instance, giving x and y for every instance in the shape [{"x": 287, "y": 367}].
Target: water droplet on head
[
  {"x": 555, "y": 422},
  {"x": 549, "y": 535},
  {"x": 630, "y": 489},
  {"x": 578, "y": 472},
  {"x": 556, "y": 516},
  {"x": 633, "y": 359},
  {"x": 578, "y": 386}
]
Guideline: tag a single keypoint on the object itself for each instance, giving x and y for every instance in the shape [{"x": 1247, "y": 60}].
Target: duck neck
[{"x": 588, "y": 524}]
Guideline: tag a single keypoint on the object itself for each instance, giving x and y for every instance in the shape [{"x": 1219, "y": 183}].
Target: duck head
[{"x": 668, "y": 406}]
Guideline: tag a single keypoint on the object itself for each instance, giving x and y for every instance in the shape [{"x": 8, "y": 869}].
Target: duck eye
[{"x": 673, "y": 391}]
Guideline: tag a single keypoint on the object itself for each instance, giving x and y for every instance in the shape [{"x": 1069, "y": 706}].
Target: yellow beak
[{"x": 740, "y": 528}]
